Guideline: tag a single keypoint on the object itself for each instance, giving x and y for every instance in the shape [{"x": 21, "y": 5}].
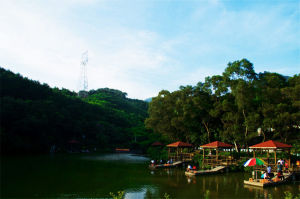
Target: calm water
[{"x": 94, "y": 176}]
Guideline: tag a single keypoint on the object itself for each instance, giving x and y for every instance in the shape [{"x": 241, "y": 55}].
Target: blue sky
[{"x": 142, "y": 47}]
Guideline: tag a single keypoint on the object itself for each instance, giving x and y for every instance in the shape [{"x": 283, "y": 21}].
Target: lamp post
[{"x": 259, "y": 131}]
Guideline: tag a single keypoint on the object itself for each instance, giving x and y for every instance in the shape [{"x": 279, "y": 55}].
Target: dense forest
[
  {"x": 239, "y": 107},
  {"x": 35, "y": 117}
]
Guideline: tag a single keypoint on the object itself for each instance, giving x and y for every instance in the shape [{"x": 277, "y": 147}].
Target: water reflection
[
  {"x": 95, "y": 176},
  {"x": 143, "y": 192},
  {"x": 125, "y": 157}
]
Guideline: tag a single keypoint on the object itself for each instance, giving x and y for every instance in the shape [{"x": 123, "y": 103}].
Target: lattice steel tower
[{"x": 83, "y": 87}]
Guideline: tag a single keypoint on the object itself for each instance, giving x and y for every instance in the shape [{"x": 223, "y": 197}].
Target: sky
[{"x": 144, "y": 46}]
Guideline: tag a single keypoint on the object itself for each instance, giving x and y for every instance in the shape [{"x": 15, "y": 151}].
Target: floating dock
[
  {"x": 265, "y": 183},
  {"x": 217, "y": 169},
  {"x": 158, "y": 166}
]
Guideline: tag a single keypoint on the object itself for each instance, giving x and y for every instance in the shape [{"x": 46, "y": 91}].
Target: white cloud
[
  {"x": 45, "y": 50},
  {"x": 44, "y": 41}
]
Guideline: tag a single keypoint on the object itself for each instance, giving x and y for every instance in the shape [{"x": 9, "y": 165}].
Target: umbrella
[{"x": 254, "y": 162}]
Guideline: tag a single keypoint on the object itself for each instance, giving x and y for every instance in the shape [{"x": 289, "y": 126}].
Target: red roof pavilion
[
  {"x": 270, "y": 145},
  {"x": 157, "y": 144},
  {"x": 179, "y": 144},
  {"x": 217, "y": 144}
]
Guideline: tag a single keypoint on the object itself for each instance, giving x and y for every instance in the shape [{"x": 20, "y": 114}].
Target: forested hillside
[
  {"x": 231, "y": 107},
  {"x": 35, "y": 117}
]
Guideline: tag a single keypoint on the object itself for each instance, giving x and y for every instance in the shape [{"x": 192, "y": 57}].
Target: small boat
[
  {"x": 122, "y": 150},
  {"x": 265, "y": 183},
  {"x": 160, "y": 166},
  {"x": 218, "y": 169}
]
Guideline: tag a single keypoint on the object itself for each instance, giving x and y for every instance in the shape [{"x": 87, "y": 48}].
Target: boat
[
  {"x": 160, "y": 166},
  {"x": 218, "y": 169},
  {"x": 118, "y": 150},
  {"x": 266, "y": 183}
]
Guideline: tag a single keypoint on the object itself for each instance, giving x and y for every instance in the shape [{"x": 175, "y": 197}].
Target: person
[
  {"x": 171, "y": 161},
  {"x": 279, "y": 167},
  {"x": 280, "y": 175},
  {"x": 286, "y": 165},
  {"x": 194, "y": 167},
  {"x": 152, "y": 162},
  {"x": 189, "y": 168},
  {"x": 269, "y": 172},
  {"x": 266, "y": 176},
  {"x": 298, "y": 163},
  {"x": 280, "y": 161},
  {"x": 262, "y": 175}
]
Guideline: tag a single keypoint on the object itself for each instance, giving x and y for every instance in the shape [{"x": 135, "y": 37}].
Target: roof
[
  {"x": 156, "y": 144},
  {"x": 217, "y": 144},
  {"x": 270, "y": 145},
  {"x": 179, "y": 144}
]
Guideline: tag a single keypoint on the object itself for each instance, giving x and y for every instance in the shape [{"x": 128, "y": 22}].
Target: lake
[{"x": 96, "y": 175}]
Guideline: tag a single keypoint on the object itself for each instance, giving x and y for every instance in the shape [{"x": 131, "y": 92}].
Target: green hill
[{"x": 35, "y": 117}]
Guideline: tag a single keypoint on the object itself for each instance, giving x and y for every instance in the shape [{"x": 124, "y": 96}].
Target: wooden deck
[
  {"x": 160, "y": 166},
  {"x": 261, "y": 183},
  {"x": 203, "y": 172}
]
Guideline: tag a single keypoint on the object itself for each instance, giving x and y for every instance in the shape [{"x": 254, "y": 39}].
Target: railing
[
  {"x": 181, "y": 156},
  {"x": 215, "y": 160}
]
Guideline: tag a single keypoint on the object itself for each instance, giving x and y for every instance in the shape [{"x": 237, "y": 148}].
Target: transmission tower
[
  {"x": 84, "y": 61},
  {"x": 83, "y": 76}
]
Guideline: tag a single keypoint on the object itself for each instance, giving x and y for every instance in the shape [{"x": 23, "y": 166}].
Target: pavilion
[
  {"x": 272, "y": 146},
  {"x": 216, "y": 160},
  {"x": 176, "y": 151}
]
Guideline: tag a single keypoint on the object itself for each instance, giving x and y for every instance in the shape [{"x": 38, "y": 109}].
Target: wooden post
[
  {"x": 275, "y": 156},
  {"x": 268, "y": 156},
  {"x": 254, "y": 153},
  {"x": 289, "y": 158},
  {"x": 203, "y": 160}
]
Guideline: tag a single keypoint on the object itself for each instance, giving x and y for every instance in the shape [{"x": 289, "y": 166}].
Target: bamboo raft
[
  {"x": 218, "y": 169},
  {"x": 265, "y": 183},
  {"x": 160, "y": 166}
]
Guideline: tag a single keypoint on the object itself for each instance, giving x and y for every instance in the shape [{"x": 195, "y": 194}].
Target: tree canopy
[
  {"x": 35, "y": 117},
  {"x": 230, "y": 107}
]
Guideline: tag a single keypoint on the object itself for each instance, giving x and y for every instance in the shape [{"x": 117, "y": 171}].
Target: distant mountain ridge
[{"x": 148, "y": 99}]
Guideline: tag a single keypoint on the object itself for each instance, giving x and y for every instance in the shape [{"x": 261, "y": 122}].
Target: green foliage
[
  {"x": 207, "y": 194},
  {"x": 166, "y": 196},
  {"x": 230, "y": 107},
  {"x": 156, "y": 153},
  {"x": 289, "y": 195},
  {"x": 118, "y": 195},
  {"x": 198, "y": 158},
  {"x": 35, "y": 117}
]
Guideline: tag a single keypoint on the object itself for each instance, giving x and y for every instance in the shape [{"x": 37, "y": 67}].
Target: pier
[{"x": 218, "y": 169}]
